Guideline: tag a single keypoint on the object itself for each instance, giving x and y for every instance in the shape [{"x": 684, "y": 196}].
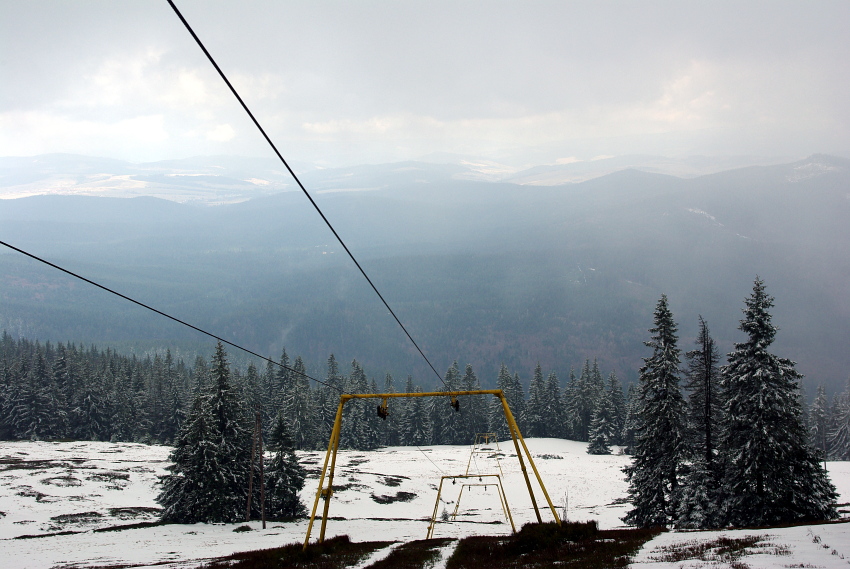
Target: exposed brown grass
[
  {"x": 728, "y": 550},
  {"x": 572, "y": 545},
  {"x": 413, "y": 555},
  {"x": 335, "y": 553}
]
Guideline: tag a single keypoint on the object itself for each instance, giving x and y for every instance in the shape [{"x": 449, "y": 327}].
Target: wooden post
[
  {"x": 251, "y": 472},
  {"x": 262, "y": 471}
]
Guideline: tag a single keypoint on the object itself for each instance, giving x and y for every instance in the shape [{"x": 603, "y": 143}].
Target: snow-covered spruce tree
[
  {"x": 839, "y": 438},
  {"x": 771, "y": 474},
  {"x": 704, "y": 401},
  {"x": 191, "y": 478},
  {"x": 819, "y": 422},
  {"x": 90, "y": 417},
  {"x": 419, "y": 412},
  {"x": 618, "y": 406},
  {"x": 699, "y": 499},
  {"x": 301, "y": 410},
  {"x": 284, "y": 476},
  {"x": 327, "y": 402},
  {"x": 351, "y": 433},
  {"x": 123, "y": 423},
  {"x": 553, "y": 411},
  {"x": 602, "y": 427},
  {"x": 174, "y": 410},
  {"x": 402, "y": 409},
  {"x": 447, "y": 421},
  {"x": 517, "y": 402},
  {"x": 209, "y": 475},
  {"x": 34, "y": 411},
  {"x": 496, "y": 420},
  {"x": 358, "y": 424},
  {"x": 536, "y": 402},
  {"x": 473, "y": 407},
  {"x": 586, "y": 396},
  {"x": 630, "y": 420},
  {"x": 570, "y": 402},
  {"x": 659, "y": 440}
]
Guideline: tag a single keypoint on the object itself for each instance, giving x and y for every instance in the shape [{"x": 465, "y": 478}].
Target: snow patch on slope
[
  {"x": 810, "y": 170},
  {"x": 706, "y": 215}
]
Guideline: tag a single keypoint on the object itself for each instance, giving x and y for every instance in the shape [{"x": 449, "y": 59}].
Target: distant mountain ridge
[{"x": 216, "y": 180}]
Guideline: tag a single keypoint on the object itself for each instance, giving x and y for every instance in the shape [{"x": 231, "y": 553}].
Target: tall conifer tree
[
  {"x": 209, "y": 476},
  {"x": 839, "y": 438},
  {"x": 284, "y": 476},
  {"x": 536, "y": 403},
  {"x": 659, "y": 441},
  {"x": 771, "y": 473}
]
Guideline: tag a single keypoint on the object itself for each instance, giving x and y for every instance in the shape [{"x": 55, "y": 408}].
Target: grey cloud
[{"x": 398, "y": 79}]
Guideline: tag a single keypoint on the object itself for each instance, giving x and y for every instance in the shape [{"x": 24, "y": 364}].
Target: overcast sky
[{"x": 345, "y": 82}]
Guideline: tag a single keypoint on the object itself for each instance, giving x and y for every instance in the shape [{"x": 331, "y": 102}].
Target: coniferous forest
[{"x": 64, "y": 391}]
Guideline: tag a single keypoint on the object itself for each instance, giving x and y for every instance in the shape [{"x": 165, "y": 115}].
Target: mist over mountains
[{"x": 485, "y": 272}]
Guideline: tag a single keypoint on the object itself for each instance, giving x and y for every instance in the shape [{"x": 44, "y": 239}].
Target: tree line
[
  {"x": 65, "y": 391},
  {"x": 737, "y": 453}
]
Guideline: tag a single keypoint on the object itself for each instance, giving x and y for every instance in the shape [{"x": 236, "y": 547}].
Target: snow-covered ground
[
  {"x": 824, "y": 546},
  {"x": 50, "y": 488}
]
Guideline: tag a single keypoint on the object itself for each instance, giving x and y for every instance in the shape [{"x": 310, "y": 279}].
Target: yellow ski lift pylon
[
  {"x": 477, "y": 448},
  {"x": 503, "y": 499},
  {"x": 325, "y": 492}
]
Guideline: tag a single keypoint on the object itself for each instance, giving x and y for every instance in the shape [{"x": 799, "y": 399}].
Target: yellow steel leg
[
  {"x": 514, "y": 429},
  {"x": 334, "y": 431},
  {"x": 457, "y": 504},
  {"x": 330, "y": 488},
  {"x": 504, "y": 499},
  {"x": 540, "y": 480},
  {"x": 434, "y": 515}
]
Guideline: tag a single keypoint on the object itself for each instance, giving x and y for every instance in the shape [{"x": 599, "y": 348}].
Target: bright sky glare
[{"x": 338, "y": 83}]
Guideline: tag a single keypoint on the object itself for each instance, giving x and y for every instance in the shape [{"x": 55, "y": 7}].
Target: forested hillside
[{"x": 486, "y": 273}]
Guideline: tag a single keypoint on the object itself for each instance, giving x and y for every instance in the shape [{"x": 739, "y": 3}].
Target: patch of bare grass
[
  {"x": 728, "y": 550},
  {"x": 62, "y": 481},
  {"x": 413, "y": 555},
  {"x": 135, "y": 512},
  {"x": 335, "y": 553},
  {"x": 399, "y": 497},
  {"x": 392, "y": 481},
  {"x": 572, "y": 545}
]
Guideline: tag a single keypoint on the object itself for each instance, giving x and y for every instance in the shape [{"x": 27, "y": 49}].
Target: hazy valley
[{"x": 480, "y": 271}]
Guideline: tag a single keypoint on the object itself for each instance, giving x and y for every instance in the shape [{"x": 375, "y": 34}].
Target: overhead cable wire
[
  {"x": 425, "y": 454},
  {"x": 161, "y": 313},
  {"x": 300, "y": 185}
]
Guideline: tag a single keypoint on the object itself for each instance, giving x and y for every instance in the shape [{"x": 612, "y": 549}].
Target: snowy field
[{"x": 66, "y": 494}]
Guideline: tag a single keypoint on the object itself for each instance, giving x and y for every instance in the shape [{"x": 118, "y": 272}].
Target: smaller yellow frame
[{"x": 503, "y": 499}]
